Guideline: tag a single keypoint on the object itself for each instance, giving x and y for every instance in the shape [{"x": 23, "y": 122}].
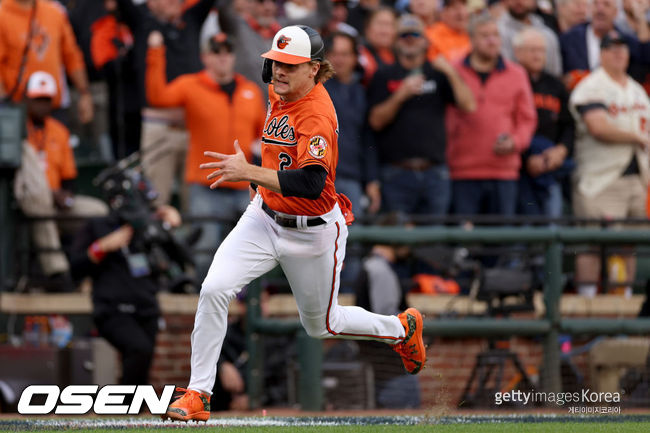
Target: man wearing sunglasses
[{"x": 407, "y": 106}]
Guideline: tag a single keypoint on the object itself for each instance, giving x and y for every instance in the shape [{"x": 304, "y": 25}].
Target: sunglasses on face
[{"x": 410, "y": 35}]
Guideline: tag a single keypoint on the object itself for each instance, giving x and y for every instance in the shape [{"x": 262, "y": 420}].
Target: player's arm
[
  {"x": 306, "y": 182},
  {"x": 601, "y": 128}
]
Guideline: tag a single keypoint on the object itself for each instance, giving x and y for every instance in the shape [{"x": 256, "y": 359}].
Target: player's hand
[
  {"x": 504, "y": 145},
  {"x": 535, "y": 165},
  {"x": 116, "y": 239},
  {"x": 85, "y": 108},
  {"x": 230, "y": 378},
  {"x": 373, "y": 191},
  {"x": 169, "y": 214},
  {"x": 155, "y": 39},
  {"x": 231, "y": 168}
]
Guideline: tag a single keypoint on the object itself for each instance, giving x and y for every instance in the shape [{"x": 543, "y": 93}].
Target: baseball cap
[
  {"x": 41, "y": 85},
  {"x": 219, "y": 41},
  {"x": 410, "y": 24},
  {"x": 612, "y": 38},
  {"x": 295, "y": 45}
]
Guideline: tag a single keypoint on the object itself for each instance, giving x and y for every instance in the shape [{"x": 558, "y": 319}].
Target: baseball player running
[{"x": 296, "y": 219}]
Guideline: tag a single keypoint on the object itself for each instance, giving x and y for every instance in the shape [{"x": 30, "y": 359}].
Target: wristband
[{"x": 95, "y": 252}]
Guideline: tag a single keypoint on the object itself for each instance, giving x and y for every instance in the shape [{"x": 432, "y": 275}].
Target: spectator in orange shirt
[
  {"x": 111, "y": 51},
  {"x": 220, "y": 107},
  {"x": 44, "y": 184},
  {"x": 51, "y": 47},
  {"x": 449, "y": 36}
]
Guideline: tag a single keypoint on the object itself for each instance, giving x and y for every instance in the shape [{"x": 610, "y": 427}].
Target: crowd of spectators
[{"x": 445, "y": 106}]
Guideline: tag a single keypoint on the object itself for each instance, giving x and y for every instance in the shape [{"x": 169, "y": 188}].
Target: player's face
[{"x": 292, "y": 82}]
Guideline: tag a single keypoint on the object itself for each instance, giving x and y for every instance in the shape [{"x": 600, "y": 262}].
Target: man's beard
[{"x": 519, "y": 15}]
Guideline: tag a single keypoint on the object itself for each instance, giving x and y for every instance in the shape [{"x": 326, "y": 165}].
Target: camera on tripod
[{"x": 153, "y": 251}]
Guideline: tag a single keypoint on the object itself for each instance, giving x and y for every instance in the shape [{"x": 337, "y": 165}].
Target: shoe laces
[{"x": 188, "y": 394}]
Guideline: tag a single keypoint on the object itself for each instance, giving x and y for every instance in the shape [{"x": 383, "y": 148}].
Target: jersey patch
[{"x": 317, "y": 147}]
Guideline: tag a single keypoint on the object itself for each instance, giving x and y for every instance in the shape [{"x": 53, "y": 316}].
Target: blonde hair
[{"x": 325, "y": 72}]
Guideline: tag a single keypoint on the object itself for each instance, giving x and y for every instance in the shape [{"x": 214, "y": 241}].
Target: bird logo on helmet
[
  {"x": 293, "y": 45},
  {"x": 283, "y": 41}
]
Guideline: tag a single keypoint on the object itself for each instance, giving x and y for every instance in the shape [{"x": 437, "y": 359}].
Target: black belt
[{"x": 288, "y": 221}]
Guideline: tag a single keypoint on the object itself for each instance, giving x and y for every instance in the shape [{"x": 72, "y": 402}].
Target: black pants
[{"x": 134, "y": 337}]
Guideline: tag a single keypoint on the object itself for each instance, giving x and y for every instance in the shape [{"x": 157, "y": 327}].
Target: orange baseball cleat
[
  {"x": 412, "y": 349},
  {"x": 192, "y": 405}
]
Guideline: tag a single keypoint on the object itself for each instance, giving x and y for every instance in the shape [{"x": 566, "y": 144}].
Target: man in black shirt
[
  {"x": 544, "y": 165},
  {"x": 125, "y": 308},
  {"x": 407, "y": 109}
]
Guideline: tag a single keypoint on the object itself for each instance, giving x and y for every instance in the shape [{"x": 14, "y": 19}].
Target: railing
[{"x": 549, "y": 328}]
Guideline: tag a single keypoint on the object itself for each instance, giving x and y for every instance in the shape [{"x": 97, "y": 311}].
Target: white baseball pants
[{"x": 311, "y": 259}]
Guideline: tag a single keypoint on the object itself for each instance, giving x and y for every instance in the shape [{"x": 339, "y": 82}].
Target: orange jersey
[
  {"x": 213, "y": 119},
  {"x": 297, "y": 134},
  {"x": 52, "y": 144},
  {"x": 53, "y": 45},
  {"x": 104, "y": 32}
]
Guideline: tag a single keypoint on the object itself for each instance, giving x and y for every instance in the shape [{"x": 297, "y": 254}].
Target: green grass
[
  {"x": 546, "y": 427},
  {"x": 382, "y": 424}
]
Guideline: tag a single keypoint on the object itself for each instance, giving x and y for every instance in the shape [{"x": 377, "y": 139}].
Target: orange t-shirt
[
  {"x": 213, "y": 120},
  {"x": 53, "y": 45},
  {"x": 448, "y": 42},
  {"x": 297, "y": 134},
  {"x": 52, "y": 144},
  {"x": 103, "y": 32}
]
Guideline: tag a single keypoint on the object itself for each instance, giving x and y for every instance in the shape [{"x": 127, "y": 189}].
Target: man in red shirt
[{"x": 296, "y": 220}]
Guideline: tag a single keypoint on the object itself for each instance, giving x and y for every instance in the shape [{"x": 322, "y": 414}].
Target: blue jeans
[
  {"x": 485, "y": 196},
  {"x": 352, "y": 264},
  {"x": 416, "y": 192},
  {"x": 221, "y": 203},
  {"x": 540, "y": 201}
]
